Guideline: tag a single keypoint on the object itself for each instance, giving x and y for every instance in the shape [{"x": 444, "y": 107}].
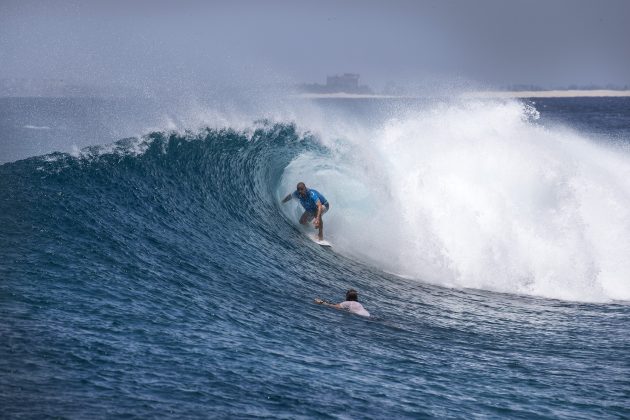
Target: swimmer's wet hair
[{"x": 352, "y": 295}]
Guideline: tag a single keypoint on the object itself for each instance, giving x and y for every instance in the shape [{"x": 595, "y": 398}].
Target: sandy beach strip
[
  {"x": 550, "y": 94},
  {"x": 601, "y": 93}
]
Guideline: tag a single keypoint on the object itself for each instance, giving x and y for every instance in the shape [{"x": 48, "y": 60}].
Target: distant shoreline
[
  {"x": 498, "y": 94},
  {"x": 596, "y": 93},
  {"x": 600, "y": 93}
]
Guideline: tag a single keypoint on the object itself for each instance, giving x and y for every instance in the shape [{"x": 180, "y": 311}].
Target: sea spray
[{"x": 479, "y": 195}]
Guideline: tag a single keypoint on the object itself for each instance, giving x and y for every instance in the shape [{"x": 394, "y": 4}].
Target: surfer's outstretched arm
[
  {"x": 318, "y": 215},
  {"x": 287, "y": 198}
]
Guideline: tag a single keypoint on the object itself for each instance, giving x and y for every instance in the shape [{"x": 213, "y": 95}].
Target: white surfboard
[{"x": 323, "y": 242}]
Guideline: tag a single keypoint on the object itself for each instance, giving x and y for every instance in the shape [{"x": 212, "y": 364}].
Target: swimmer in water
[{"x": 351, "y": 304}]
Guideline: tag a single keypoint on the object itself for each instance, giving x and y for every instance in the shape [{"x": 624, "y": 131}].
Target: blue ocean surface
[{"x": 157, "y": 274}]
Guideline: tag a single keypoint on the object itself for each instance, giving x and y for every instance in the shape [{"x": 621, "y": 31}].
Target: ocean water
[{"x": 155, "y": 273}]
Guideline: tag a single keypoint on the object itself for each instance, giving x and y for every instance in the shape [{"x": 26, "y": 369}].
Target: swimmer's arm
[{"x": 332, "y": 305}]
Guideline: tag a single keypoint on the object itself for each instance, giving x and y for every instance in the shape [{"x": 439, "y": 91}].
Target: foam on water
[{"x": 479, "y": 195}]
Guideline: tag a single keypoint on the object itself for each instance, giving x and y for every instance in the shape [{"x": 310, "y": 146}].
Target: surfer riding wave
[{"x": 314, "y": 204}]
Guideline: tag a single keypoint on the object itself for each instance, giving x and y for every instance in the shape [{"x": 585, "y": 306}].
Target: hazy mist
[{"x": 190, "y": 44}]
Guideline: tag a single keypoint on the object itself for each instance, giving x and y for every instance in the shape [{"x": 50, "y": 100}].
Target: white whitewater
[{"x": 477, "y": 194}]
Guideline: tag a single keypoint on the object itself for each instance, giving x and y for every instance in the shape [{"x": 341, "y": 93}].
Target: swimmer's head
[{"x": 352, "y": 295}]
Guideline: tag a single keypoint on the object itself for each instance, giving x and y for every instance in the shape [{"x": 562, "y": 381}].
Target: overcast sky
[{"x": 549, "y": 43}]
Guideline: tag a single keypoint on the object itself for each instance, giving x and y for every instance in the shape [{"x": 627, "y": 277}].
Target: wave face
[
  {"x": 162, "y": 274},
  {"x": 143, "y": 202}
]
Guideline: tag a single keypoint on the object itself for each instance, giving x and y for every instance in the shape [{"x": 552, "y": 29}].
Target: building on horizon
[{"x": 344, "y": 83}]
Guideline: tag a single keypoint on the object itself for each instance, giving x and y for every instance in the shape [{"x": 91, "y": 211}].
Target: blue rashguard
[{"x": 310, "y": 201}]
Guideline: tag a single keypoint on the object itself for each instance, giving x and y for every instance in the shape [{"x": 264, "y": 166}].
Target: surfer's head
[
  {"x": 301, "y": 189},
  {"x": 352, "y": 295}
]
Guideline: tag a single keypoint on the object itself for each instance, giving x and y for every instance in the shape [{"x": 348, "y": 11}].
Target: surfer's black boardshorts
[{"x": 313, "y": 213}]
